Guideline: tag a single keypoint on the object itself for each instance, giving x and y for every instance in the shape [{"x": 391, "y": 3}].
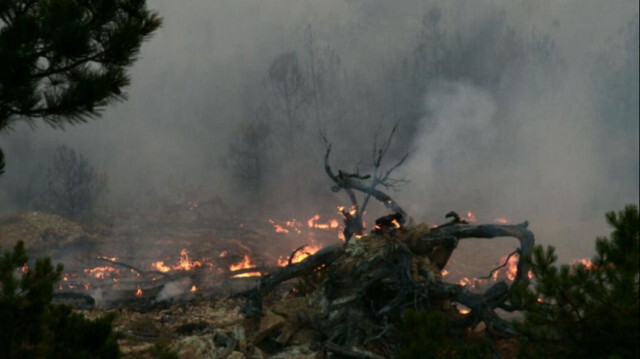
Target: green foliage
[
  {"x": 64, "y": 60},
  {"x": 428, "y": 334},
  {"x": 73, "y": 186},
  {"x": 586, "y": 310},
  {"x": 32, "y": 327}
]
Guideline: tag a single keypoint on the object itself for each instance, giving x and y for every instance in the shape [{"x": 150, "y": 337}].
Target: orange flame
[
  {"x": 278, "y": 228},
  {"x": 139, "y": 293},
  {"x": 184, "y": 264},
  {"x": 313, "y": 223},
  {"x": 244, "y": 264},
  {"x": 299, "y": 256},
  {"x": 194, "y": 289},
  {"x": 444, "y": 273},
  {"x": 99, "y": 272}
]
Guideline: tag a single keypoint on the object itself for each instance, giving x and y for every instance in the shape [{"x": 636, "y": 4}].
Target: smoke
[{"x": 530, "y": 112}]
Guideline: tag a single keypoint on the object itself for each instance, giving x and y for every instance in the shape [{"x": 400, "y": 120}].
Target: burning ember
[
  {"x": 139, "y": 293},
  {"x": 194, "y": 288}
]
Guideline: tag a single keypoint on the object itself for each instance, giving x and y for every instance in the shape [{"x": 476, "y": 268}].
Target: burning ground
[{"x": 182, "y": 276}]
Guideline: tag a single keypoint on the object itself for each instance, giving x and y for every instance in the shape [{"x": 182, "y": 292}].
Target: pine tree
[
  {"x": 588, "y": 309},
  {"x": 32, "y": 327},
  {"x": 62, "y": 61}
]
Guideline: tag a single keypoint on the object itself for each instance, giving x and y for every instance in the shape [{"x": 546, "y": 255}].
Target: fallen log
[{"x": 370, "y": 281}]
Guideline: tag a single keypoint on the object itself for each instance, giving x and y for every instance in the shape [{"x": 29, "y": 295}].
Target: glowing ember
[
  {"x": 501, "y": 220},
  {"x": 512, "y": 268},
  {"x": 587, "y": 263},
  {"x": 471, "y": 218},
  {"x": 101, "y": 272},
  {"x": 395, "y": 223},
  {"x": 24, "y": 269},
  {"x": 540, "y": 300},
  {"x": 110, "y": 259},
  {"x": 139, "y": 293},
  {"x": 444, "y": 272},
  {"x": 160, "y": 266},
  {"x": 464, "y": 311},
  {"x": 193, "y": 289},
  {"x": 278, "y": 228},
  {"x": 223, "y": 254},
  {"x": 313, "y": 223},
  {"x": 299, "y": 256}
]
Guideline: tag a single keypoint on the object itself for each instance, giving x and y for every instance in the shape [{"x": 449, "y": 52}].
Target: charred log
[{"x": 372, "y": 280}]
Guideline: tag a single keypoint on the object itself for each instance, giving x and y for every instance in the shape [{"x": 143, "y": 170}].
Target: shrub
[
  {"x": 586, "y": 310},
  {"x": 73, "y": 187},
  {"x": 32, "y": 327}
]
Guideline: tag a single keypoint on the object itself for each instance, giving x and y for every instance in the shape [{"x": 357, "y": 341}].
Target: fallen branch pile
[{"x": 368, "y": 282}]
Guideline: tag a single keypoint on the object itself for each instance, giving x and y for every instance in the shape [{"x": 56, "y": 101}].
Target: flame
[
  {"x": 194, "y": 288},
  {"x": 540, "y": 300},
  {"x": 24, "y": 269},
  {"x": 160, "y": 266},
  {"x": 99, "y": 272},
  {"x": 223, "y": 254},
  {"x": 299, "y": 256},
  {"x": 444, "y": 273},
  {"x": 395, "y": 223},
  {"x": 139, "y": 293},
  {"x": 244, "y": 264},
  {"x": 313, "y": 223},
  {"x": 184, "y": 264},
  {"x": 512, "y": 268}
]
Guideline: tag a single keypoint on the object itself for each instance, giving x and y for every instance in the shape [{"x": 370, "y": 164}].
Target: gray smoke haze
[{"x": 516, "y": 109}]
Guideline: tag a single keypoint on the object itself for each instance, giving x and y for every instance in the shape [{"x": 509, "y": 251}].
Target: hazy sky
[{"x": 552, "y": 162}]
